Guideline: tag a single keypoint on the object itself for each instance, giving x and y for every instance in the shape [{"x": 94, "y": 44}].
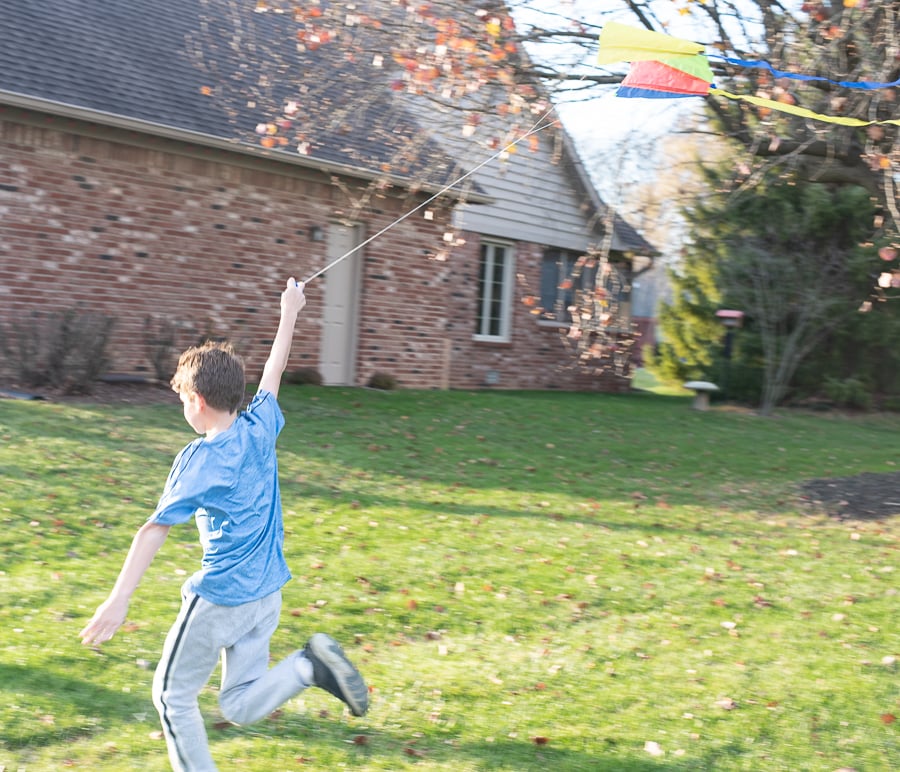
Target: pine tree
[{"x": 788, "y": 254}]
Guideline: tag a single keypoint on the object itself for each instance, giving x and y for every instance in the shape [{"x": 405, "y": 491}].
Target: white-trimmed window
[{"x": 495, "y": 292}]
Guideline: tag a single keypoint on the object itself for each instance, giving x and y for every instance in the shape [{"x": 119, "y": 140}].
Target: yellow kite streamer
[{"x": 800, "y": 111}]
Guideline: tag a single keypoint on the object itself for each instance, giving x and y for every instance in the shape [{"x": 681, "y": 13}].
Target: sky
[{"x": 607, "y": 127}]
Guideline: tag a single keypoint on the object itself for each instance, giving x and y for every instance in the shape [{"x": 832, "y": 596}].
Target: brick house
[{"x": 124, "y": 190}]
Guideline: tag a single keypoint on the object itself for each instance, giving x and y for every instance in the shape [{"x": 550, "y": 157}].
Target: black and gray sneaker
[{"x": 334, "y": 673}]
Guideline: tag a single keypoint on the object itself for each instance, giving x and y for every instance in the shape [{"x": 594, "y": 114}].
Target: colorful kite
[{"x": 664, "y": 67}]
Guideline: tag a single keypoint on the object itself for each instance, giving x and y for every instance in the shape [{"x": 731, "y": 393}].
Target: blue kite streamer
[{"x": 762, "y": 65}]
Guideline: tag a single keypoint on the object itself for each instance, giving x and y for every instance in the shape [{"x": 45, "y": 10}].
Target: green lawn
[{"x": 528, "y": 581}]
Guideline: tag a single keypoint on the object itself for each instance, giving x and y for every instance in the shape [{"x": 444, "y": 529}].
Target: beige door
[{"x": 340, "y": 317}]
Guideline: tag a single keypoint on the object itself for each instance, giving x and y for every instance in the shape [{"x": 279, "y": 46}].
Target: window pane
[
  {"x": 482, "y": 271},
  {"x": 549, "y": 282},
  {"x": 497, "y": 292},
  {"x": 556, "y": 297},
  {"x": 493, "y": 294}
]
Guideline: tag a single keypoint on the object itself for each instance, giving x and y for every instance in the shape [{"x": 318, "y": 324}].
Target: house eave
[{"x": 112, "y": 120}]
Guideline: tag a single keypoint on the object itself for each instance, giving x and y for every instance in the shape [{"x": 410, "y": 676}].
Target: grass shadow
[{"x": 86, "y": 705}]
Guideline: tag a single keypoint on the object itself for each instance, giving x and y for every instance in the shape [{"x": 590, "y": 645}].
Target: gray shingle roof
[
  {"x": 145, "y": 59},
  {"x": 116, "y": 56}
]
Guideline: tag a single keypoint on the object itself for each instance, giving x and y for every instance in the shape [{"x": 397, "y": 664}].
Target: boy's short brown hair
[{"x": 215, "y": 372}]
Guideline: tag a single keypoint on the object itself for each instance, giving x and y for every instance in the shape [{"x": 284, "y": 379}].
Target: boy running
[{"x": 227, "y": 481}]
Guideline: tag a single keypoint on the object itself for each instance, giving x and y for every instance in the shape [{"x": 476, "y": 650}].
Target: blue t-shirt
[{"x": 229, "y": 485}]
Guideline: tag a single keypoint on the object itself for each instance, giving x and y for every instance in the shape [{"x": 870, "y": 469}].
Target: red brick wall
[
  {"x": 135, "y": 227},
  {"x": 132, "y": 227},
  {"x": 403, "y": 313}
]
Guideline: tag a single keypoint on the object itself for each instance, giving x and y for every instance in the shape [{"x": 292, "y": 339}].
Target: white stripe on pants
[{"x": 250, "y": 690}]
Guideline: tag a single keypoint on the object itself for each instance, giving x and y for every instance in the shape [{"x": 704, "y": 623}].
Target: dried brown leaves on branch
[
  {"x": 354, "y": 82},
  {"x": 591, "y": 302},
  {"x": 365, "y": 72}
]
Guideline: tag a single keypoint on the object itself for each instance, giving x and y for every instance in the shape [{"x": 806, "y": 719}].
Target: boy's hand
[
  {"x": 108, "y": 618},
  {"x": 293, "y": 299}
]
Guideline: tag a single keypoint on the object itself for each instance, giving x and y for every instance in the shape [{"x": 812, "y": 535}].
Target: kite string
[{"x": 536, "y": 127}]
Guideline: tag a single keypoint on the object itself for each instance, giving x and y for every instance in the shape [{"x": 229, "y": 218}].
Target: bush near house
[{"x": 66, "y": 350}]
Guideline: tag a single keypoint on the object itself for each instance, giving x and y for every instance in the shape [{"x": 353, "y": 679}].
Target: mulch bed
[
  {"x": 867, "y": 496},
  {"x": 102, "y": 393}
]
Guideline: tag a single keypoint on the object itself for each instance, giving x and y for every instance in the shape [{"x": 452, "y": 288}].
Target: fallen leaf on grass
[
  {"x": 726, "y": 703},
  {"x": 653, "y": 748},
  {"x": 888, "y": 718}
]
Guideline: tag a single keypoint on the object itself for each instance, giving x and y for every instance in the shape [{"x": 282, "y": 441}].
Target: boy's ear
[{"x": 198, "y": 400}]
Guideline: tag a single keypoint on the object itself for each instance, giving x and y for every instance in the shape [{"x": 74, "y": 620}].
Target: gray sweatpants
[{"x": 250, "y": 690}]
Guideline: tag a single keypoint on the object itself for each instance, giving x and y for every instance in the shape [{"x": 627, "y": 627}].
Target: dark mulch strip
[
  {"x": 867, "y": 496},
  {"x": 102, "y": 393}
]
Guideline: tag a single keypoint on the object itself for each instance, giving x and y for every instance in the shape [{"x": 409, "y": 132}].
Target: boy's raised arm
[{"x": 292, "y": 302}]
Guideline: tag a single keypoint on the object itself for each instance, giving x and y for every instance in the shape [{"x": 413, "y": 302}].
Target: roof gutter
[{"x": 65, "y": 110}]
